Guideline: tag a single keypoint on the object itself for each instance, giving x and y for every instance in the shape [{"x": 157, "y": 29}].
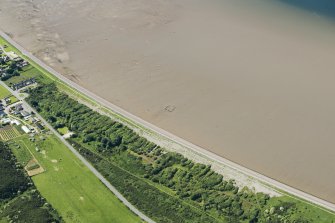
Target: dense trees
[
  {"x": 12, "y": 70},
  {"x": 13, "y": 180}
]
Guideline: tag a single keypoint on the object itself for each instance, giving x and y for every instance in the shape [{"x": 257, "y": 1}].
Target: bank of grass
[
  {"x": 69, "y": 185},
  {"x": 3, "y": 92}
]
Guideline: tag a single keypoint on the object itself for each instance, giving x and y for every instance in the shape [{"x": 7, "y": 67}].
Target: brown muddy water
[{"x": 252, "y": 81}]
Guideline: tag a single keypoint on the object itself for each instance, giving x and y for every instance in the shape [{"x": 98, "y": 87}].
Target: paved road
[
  {"x": 95, "y": 172},
  {"x": 174, "y": 138}
]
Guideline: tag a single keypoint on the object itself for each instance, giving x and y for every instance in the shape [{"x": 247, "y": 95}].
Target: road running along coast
[
  {"x": 85, "y": 162},
  {"x": 201, "y": 151}
]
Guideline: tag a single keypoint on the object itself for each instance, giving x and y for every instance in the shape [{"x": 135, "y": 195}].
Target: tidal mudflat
[{"x": 252, "y": 81}]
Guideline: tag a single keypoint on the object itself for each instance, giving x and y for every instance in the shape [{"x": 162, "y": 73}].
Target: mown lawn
[{"x": 70, "y": 187}]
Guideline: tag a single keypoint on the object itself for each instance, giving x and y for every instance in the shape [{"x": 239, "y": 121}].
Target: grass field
[
  {"x": 8, "y": 133},
  {"x": 69, "y": 186},
  {"x": 3, "y": 92}
]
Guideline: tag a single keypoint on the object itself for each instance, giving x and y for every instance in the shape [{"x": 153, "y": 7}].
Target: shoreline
[
  {"x": 169, "y": 69},
  {"x": 173, "y": 142}
]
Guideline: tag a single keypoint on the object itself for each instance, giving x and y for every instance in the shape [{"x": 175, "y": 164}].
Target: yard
[
  {"x": 13, "y": 99},
  {"x": 69, "y": 185},
  {"x": 27, "y": 72}
]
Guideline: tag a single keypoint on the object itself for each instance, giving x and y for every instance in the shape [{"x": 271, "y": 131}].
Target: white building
[
  {"x": 6, "y": 120},
  {"x": 25, "y": 129},
  {"x": 14, "y": 121},
  {"x": 12, "y": 55}
]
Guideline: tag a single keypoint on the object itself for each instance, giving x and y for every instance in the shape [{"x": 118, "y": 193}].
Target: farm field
[
  {"x": 8, "y": 133},
  {"x": 3, "y": 92},
  {"x": 69, "y": 186}
]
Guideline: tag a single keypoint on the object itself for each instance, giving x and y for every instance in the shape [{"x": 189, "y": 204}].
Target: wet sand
[{"x": 251, "y": 82}]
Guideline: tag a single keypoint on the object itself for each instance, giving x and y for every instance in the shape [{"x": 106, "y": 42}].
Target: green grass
[
  {"x": 20, "y": 151},
  {"x": 9, "y": 47},
  {"x": 3, "y": 92},
  {"x": 70, "y": 186},
  {"x": 13, "y": 99},
  {"x": 4, "y": 220},
  {"x": 63, "y": 130},
  {"x": 309, "y": 211}
]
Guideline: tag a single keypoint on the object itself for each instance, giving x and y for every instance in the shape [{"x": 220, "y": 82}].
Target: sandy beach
[{"x": 250, "y": 82}]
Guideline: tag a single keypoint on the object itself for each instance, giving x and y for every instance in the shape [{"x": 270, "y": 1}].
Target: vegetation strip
[{"x": 115, "y": 150}]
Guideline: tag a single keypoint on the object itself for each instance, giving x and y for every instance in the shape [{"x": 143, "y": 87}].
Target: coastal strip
[{"x": 198, "y": 153}]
